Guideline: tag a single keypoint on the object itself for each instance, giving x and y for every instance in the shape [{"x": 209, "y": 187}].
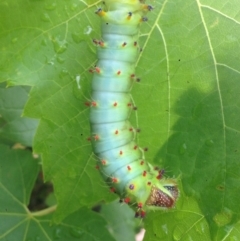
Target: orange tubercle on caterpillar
[{"x": 100, "y": 12}]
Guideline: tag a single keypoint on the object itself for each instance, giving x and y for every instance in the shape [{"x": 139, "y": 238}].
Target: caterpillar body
[{"x": 120, "y": 160}]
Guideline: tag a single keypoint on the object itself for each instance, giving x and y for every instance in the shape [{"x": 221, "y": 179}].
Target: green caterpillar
[{"x": 119, "y": 158}]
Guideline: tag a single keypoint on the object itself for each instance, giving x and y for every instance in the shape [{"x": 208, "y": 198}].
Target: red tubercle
[
  {"x": 149, "y": 183},
  {"x": 114, "y": 180},
  {"x": 119, "y": 72},
  {"x": 98, "y": 42},
  {"x": 113, "y": 190},
  {"x": 96, "y": 137},
  {"x": 97, "y": 167},
  {"x": 137, "y": 79},
  {"x": 89, "y": 138},
  {"x": 130, "y": 129},
  {"x": 162, "y": 171},
  {"x": 144, "y": 173},
  {"x": 142, "y": 214},
  {"x": 129, "y": 104},
  {"x": 127, "y": 200},
  {"x": 121, "y": 152},
  {"x": 87, "y": 103},
  {"x": 129, "y": 168},
  {"x": 115, "y": 104},
  {"x": 142, "y": 162},
  {"x": 104, "y": 162},
  {"x": 135, "y": 147},
  {"x": 135, "y": 44},
  {"x": 93, "y": 103},
  {"x": 160, "y": 174},
  {"x": 116, "y": 132},
  {"x": 101, "y": 43},
  {"x": 124, "y": 44},
  {"x": 140, "y": 205},
  {"x": 97, "y": 69}
]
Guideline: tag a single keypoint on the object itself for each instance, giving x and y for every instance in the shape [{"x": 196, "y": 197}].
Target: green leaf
[
  {"x": 187, "y": 223},
  {"x": 188, "y": 105},
  {"x": 58, "y": 43},
  {"x": 18, "y": 171},
  {"x": 120, "y": 219},
  {"x": 15, "y": 128}
]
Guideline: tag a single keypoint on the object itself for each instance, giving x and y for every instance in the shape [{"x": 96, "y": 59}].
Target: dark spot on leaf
[
  {"x": 220, "y": 188},
  {"x": 97, "y": 208}
]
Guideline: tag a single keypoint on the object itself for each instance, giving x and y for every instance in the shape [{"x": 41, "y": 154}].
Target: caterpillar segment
[{"x": 119, "y": 158}]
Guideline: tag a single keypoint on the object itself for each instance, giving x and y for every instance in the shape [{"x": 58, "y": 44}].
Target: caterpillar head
[{"x": 163, "y": 195}]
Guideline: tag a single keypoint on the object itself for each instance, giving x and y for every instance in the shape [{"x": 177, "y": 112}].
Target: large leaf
[
  {"x": 64, "y": 128},
  {"x": 188, "y": 105},
  {"x": 17, "y": 175},
  {"x": 186, "y": 223}
]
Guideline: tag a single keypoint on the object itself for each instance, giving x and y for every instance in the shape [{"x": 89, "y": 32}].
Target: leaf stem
[{"x": 44, "y": 211}]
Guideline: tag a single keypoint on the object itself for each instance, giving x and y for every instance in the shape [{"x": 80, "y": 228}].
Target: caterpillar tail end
[{"x": 163, "y": 196}]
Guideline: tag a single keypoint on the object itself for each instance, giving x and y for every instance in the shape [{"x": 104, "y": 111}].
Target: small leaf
[
  {"x": 16, "y": 128},
  {"x": 121, "y": 222}
]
